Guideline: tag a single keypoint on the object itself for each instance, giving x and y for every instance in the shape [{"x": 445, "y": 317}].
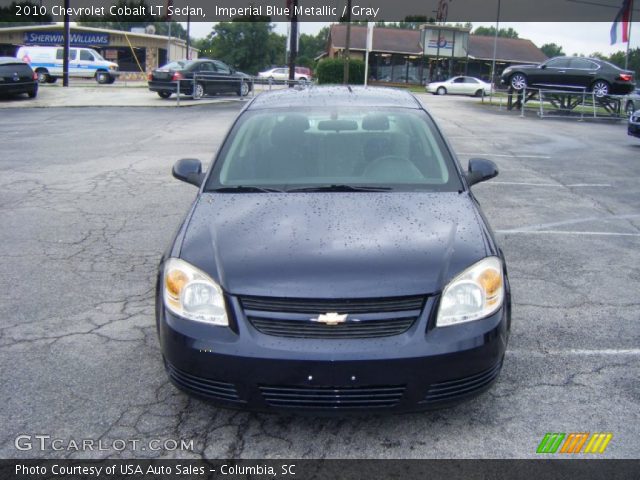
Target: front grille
[
  {"x": 463, "y": 387},
  {"x": 203, "y": 386},
  {"x": 351, "y": 330},
  {"x": 358, "y": 305},
  {"x": 332, "y": 397},
  {"x": 367, "y": 318}
]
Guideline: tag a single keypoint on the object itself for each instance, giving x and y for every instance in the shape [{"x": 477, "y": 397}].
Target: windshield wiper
[
  {"x": 244, "y": 189},
  {"x": 340, "y": 188}
]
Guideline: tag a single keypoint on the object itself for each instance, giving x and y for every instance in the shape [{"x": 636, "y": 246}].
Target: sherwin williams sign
[{"x": 86, "y": 39}]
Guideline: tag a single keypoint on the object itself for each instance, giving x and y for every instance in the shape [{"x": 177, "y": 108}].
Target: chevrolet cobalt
[{"x": 335, "y": 259}]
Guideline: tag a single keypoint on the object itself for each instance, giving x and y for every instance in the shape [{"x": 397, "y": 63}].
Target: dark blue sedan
[{"x": 334, "y": 259}]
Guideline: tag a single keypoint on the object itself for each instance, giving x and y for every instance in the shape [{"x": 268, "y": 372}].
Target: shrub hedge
[{"x": 331, "y": 70}]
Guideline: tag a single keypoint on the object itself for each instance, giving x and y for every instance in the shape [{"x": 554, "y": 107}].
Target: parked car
[
  {"x": 571, "y": 74},
  {"x": 632, "y": 102},
  {"x": 460, "y": 86},
  {"x": 47, "y": 62},
  {"x": 306, "y": 71},
  {"x": 282, "y": 73},
  {"x": 209, "y": 76},
  {"x": 17, "y": 77},
  {"x": 334, "y": 259},
  {"x": 634, "y": 124}
]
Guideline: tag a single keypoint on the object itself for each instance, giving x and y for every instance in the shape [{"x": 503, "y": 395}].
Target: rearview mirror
[
  {"x": 480, "y": 170},
  {"x": 188, "y": 170}
]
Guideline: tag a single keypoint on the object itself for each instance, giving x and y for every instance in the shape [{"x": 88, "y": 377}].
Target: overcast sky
[{"x": 584, "y": 38}]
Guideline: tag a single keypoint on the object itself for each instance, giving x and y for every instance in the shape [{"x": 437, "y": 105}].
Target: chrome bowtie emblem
[{"x": 331, "y": 318}]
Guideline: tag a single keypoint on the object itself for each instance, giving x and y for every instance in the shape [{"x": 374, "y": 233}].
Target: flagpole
[{"x": 626, "y": 58}]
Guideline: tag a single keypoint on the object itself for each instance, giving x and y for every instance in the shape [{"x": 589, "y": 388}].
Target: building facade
[
  {"x": 398, "y": 56},
  {"x": 135, "y": 53}
]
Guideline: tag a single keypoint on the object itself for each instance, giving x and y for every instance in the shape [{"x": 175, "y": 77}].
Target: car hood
[{"x": 334, "y": 245}]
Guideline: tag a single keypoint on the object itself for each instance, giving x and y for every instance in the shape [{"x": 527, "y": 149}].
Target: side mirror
[
  {"x": 543, "y": 67},
  {"x": 188, "y": 170},
  {"x": 480, "y": 170}
]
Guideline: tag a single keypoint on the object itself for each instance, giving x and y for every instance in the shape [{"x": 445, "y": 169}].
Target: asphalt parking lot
[{"x": 88, "y": 205}]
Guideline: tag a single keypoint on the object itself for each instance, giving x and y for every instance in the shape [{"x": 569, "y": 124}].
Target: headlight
[
  {"x": 191, "y": 293},
  {"x": 475, "y": 293}
]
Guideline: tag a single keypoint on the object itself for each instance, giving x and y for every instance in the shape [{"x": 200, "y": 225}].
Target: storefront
[
  {"x": 399, "y": 56},
  {"x": 135, "y": 53}
]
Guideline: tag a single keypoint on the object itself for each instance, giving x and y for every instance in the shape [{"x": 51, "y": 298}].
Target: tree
[
  {"x": 552, "y": 50},
  {"x": 618, "y": 59},
  {"x": 311, "y": 46},
  {"x": 8, "y": 14},
  {"x": 247, "y": 43},
  {"x": 491, "y": 31}
]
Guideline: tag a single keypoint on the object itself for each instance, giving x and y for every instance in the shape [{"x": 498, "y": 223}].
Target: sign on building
[
  {"x": 78, "y": 39},
  {"x": 444, "y": 42}
]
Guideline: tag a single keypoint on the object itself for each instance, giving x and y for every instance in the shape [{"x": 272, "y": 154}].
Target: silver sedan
[{"x": 460, "y": 86}]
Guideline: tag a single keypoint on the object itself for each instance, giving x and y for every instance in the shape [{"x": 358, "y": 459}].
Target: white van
[{"x": 83, "y": 63}]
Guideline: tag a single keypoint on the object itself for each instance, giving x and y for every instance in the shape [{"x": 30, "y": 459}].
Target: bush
[{"x": 331, "y": 70}]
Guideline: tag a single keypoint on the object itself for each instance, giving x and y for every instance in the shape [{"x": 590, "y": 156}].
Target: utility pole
[
  {"x": 347, "y": 53},
  {"x": 65, "y": 48},
  {"x": 293, "y": 43},
  {"x": 626, "y": 57},
  {"x": 188, "y": 33},
  {"x": 495, "y": 50}
]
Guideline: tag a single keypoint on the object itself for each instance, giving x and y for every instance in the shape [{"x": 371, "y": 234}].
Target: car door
[
  {"x": 281, "y": 74},
  {"x": 455, "y": 85},
  {"x": 552, "y": 73},
  {"x": 207, "y": 74},
  {"x": 73, "y": 62},
  {"x": 471, "y": 86},
  {"x": 86, "y": 63},
  {"x": 582, "y": 72},
  {"x": 226, "y": 80}
]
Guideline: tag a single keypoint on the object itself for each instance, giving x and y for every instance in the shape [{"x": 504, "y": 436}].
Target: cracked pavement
[{"x": 88, "y": 205}]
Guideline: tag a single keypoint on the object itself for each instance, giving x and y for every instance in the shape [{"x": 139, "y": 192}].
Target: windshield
[
  {"x": 398, "y": 149},
  {"x": 98, "y": 56}
]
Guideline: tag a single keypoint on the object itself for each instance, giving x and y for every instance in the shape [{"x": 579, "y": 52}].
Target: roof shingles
[{"x": 395, "y": 40}]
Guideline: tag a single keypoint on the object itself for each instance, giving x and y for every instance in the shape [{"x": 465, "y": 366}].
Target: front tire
[
  {"x": 600, "y": 88},
  {"x": 164, "y": 94},
  {"x": 518, "y": 81},
  {"x": 33, "y": 93},
  {"x": 441, "y": 91},
  {"x": 479, "y": 93},
  {"x": 52, "y": 79},
  {"x": 102, "y": 77}
]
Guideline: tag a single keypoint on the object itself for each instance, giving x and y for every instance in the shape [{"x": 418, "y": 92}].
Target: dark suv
[{"x": 573, "y": 74}]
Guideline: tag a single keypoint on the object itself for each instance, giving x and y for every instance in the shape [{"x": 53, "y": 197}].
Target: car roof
[
  {"x": 5, "y": 60},
  {"x": 337, "y": 95}
]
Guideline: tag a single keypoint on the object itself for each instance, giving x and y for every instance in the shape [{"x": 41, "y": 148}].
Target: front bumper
[{"x": 417, "y": 370}]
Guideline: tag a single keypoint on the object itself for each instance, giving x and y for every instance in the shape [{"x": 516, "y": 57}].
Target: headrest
[
  {"x": 375, "y": 121},
  {"x": 291, "y": 125}
]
